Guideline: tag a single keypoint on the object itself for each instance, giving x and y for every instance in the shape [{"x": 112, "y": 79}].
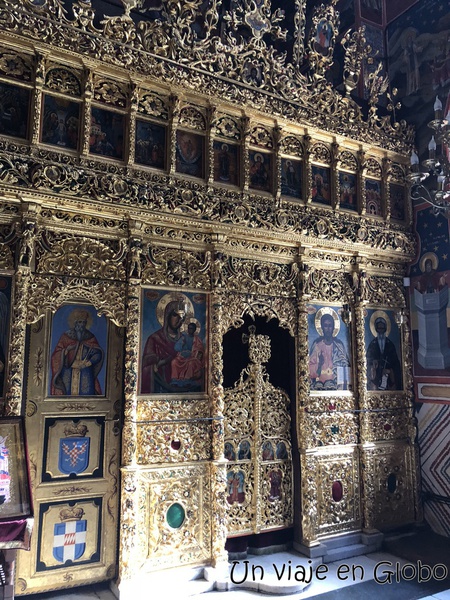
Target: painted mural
[
  {"x": 429, "y": 296},
  {"x": 418, "y": 45}
]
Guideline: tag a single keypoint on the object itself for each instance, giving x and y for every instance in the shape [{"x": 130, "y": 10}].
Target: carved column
[
  {"x": 218, "y": 464},
  {"x": 88, "y": 94},
  {"x": 129, "y": 546},
  {"x": 134, "y": 104},
  {"x": 16, "y": 359},
  {"x": 37, "y": 99}
]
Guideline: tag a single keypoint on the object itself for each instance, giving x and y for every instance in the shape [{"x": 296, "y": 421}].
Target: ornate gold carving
[
  {"x": 329, "y": 420},
  {"x": 384, "y": 291},
  {"x": 356, "y": 51},
  {"x": 338, "y": 514},
  {"x": 347, "y": 160},
  {"x": 167, "y": 546},
  {"x": 18, "y": 66},
  {"x": 373, "y": 167},
  {"x": 72, "y": 490},
  {"x": 154, "y": 105},
  {"x": 48, "y": 293},
  {"x": 292, "y": 145},
  {"x": 261, "y": 136},
  {"x": 192, "y": 117},
  {"x": 14, "y": 385},
  {"x": 149, "y": 409},
  {"x": 227, "y": 126},
  {"x": 330, "y": 286},
  {"x": 260, "y": 277},
  {"x": 130, "y": 369},
  {"x": 173, "y": 442},
  {"x": 109, "y": 92},
  {"x": 63, "y": 80},
  {"x": 177, "y": 267},
  {"x": 388, "y": 480},
  {"x": 321, "y": 153}
]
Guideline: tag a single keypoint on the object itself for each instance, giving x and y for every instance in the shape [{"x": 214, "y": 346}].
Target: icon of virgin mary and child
[{"x": 174, "y": 356}]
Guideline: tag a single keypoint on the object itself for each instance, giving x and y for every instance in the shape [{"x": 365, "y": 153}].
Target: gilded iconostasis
[{"x": 203, "y": 255}]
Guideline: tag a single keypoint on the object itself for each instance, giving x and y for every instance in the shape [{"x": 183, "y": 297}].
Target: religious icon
[
  {"x": 60, "y": 124},
  {"x": 106, "y": 136},
  {"x": 235, "y": 487},
  {"x": 253, "y": 74},
  {"x": 373, "y": 198},
  {"x": 226, "y": 161},
  {"x": 347, "y": 191},
  {"x": 397, "y": 195},
  {"x": 14, "y": 108},
  {"x": 244, "y": 450},
  {"x": 275, "y": 479},
  {"x": 5, "y": 303},
  {"x": 15, "y": 495},
  {"x": 229, "y": 452},
  {"x": 174, "y": 342},
  {"x": 282, "y": 452},
  {"x": 291, "y": 177},
  {"x": 190, "y": 152},
  {"x": 324, "y": 35},
  {"x": 329, "y": 360},
  {"x": 260, "y": 171},
  {"x": 267, "y": 451},
  {"x": 150, "y": 147},
  {"x": 320, "y": 191},
  {"x": 78, "y": 342},
  {"x": 384, "y": 371}
]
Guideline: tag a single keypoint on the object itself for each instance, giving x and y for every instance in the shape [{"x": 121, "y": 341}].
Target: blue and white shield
[
  {"x": 69, "y": 540},
  {"x": 73, "y": 454}
]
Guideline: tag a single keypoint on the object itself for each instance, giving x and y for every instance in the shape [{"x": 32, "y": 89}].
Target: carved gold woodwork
[
  {"x": 258, "y": 448},
  {"x": 148, "y": 495},
  {"x": 337, "y": 514},
  {"x": 105, "y": 227},
  {"x": 389, "y": 480}
]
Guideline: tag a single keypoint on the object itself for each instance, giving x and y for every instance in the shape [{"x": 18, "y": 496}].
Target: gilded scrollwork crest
[
  {"x": 63, "y": 80},
  {"x": 177, "y": 266}
]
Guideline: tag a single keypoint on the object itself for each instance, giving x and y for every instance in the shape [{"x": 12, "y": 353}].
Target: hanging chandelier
[{"x": 430, "y": 181}]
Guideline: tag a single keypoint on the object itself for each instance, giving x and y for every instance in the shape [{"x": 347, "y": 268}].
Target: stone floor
[{"x": 336, "y": 579}]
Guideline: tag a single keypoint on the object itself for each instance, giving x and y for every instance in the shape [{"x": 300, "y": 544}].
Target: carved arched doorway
[{"x": 259, "y": 426}]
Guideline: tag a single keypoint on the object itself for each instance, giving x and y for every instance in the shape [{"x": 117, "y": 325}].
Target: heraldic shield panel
[{"x": 73, "y": 405}]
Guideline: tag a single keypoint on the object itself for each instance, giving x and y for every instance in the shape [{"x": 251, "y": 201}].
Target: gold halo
[
  {"x": 326, "y": 310},
  {"x": 170, "y": 297},
  {"x": 191, "y": 319},
  {"x": 256, "y": 156},
  {"x": 384, "y": 315},
  {"x": 434, "y": 261}
]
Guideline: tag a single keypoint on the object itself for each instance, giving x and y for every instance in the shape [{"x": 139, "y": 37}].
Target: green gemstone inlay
[{"x": 175, "y": 515}]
